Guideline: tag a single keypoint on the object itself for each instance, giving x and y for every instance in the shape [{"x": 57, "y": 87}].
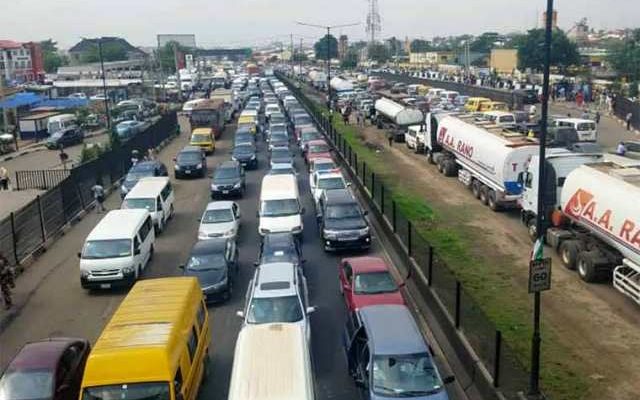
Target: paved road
[{"x": 58, "y": 305}]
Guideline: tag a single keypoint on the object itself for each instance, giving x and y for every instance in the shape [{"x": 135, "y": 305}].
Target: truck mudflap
[{"x": 626, "y": 279}]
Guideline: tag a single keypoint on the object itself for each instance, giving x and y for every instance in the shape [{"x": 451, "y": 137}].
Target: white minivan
[
  {"x": 117, "y": 250},
  {"x": 280, "y": 209},
  {"x": 154, "y": 194},
  {"x": 585, "y": 128},
  {"x": 61, "y": 122}
]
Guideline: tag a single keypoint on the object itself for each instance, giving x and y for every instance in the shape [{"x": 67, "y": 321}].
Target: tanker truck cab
[{"x": 586, "y": 128}]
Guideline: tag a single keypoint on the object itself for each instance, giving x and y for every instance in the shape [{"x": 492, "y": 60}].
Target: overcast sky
[{"x": 249, "y": 22}]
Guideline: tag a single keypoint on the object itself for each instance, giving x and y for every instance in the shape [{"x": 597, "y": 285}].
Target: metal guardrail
[
  {"x": 26, "y": 230},
  {"x": 40, "y": 179},
  {"x": 457, "y": 312}
]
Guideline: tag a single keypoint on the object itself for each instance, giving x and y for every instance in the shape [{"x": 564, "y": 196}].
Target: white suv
[{"x": 278, "y": 294}]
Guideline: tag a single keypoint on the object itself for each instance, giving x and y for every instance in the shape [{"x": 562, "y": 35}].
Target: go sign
[{"x": 539, "y": 275}]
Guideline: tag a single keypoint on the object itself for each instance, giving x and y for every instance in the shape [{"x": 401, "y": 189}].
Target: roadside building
[
  {"x": 85, "y": 47},
  {"x": 503, "y": 61},
  {"x": 431, "y": 57},
  {"x": 21, "y": 62}
]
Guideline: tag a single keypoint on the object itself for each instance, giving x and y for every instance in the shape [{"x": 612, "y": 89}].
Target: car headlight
[
  {"x": 264, "y": 231},
  {"x": 124, "y": 189},
  {"x": 127, "y": 270},
  {"x": 214, "y": 187},
  {"x": 237, "y": 185},
  {"x": 331, "y": 235},
  {"x": 176, "y": 166},
  {"x": 253, "y": 157},
  {"x": 202, "y": 235},
  {"x": 233, "y": 158},
  {"x": 230, "y": 232},
  {"x": 199, "y": 166},
  {"x": 84, "y": 274},
  {"x": 218, "y": 285},
  {"x": 364, "y": 231}
]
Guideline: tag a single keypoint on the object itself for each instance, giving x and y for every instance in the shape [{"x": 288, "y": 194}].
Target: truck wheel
[
  {"x": 492, "y": 200},
  {"x": 586, "y": 263},
  {"x": 532, "y": 229},
  {"x": 440, "y": 163},
  {"x": 484, "y": 195},
  {"x": 475, "y": 188},
  {"x": 450, "y": 168},
  {"x": 568, "y": 252}
]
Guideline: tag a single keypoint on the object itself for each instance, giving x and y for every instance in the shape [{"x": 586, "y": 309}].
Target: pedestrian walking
[
  {"x": 7, "y": 281},
  {"x": 628, "y": 121},
  {"x": 135, "y": 157},
  {"x": 390, "y": 139},
  {"x": 532, "y": 111},
  {"x": 98, "y": 195},
  {"x": 597, "y": 117},
  {"x": 585, "y": 114},
  {"x": 4, "y": 179},
  {"x": 621, "y": 150},
  {"x": 151, "y": 154}
]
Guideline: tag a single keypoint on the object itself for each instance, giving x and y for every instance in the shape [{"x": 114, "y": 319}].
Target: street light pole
[
  {"x": 328, "y": 28},
  {"x": 541, "y": 223},
  {"x": 104, "y": 84}
]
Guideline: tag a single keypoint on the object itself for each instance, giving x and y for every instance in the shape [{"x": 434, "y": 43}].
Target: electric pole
[
  {"x": 104, "y": 84},
  {"x": 300, "y": 58}
]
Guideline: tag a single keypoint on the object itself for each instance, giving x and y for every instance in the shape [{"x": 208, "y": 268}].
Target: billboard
[{"x": 186, "y": 40}]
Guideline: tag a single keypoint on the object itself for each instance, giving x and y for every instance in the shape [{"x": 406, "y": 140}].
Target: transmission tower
[{"x": 373, "y": 21}]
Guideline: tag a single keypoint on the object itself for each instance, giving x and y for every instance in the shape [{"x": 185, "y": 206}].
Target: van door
[
  {"x": 146, "y": 239},
  {"x": 167, "y": 200}
]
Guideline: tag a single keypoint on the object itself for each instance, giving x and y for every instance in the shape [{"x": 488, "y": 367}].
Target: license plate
[
  {"x": 105, "y": 286},
  {"x": 187, "y": 172},
  {"x": 225, "y": 192}
]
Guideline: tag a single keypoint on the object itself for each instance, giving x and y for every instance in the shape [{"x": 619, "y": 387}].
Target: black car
[
  {"x": 141, "y": 170},
  {"x": 64, "y": 138},
  {"x": 341, "y": 221},
  {"x": 529, "y": 96},
  {"x": 280, "y": 247},
  {"x": 215, "y": 263},
  {"x": 190, "y": 161},
  {"x": 228, "y": 180},
  {"x": 246, "y": 155},
  {"x": 244, "y": 138}
]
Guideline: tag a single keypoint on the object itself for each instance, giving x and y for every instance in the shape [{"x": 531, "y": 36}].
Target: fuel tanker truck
[
  {"x": 395, "y": 117},
  {"x": 486, "y": 158},
  {"x": 591, "y": 210}
]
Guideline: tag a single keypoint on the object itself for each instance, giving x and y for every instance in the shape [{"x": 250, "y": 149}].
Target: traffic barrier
[
  {"x": 476, "y": 340},
  {"x": 29, "y": 229}
]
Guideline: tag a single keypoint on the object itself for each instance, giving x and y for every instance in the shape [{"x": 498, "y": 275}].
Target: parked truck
[
  {"x": 318, "y": 79},
  {"x": 486, "y": 158},
  {"x": 341, "y": 85},
  {"x": 396, "y": 117},
  {"x": 592, "y": 209}
]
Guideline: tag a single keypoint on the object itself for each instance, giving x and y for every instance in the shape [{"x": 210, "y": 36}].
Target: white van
[
  {"x": 61, "y": 122},
  {"x": 272, "y": 361},
  {"x": 117, "y": 249},
  {"x": 585, "y": 128},
  {"x": 154, "y": 194},
  {"x": 280, "y": 209},
  {"x": 501, "y": 118}
]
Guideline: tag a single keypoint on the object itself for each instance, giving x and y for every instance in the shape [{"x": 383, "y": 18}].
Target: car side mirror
[
  {"x": 365, "y": 213},
  {"x": 311, "y": 310},
  {"x": 361, "y": 383},
  {"x": 136, "y": 251},
  {"x": 79, "y": 255},
  {"x": 449, "y": 379},
  {"x": 181, "y": 266},
  {"x": 240, "y": 313}
]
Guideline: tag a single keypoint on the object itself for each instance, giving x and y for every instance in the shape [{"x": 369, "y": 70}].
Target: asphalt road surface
[{"x": 60, "y": 307}]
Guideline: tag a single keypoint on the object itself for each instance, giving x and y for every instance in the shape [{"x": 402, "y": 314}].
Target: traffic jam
[{"x": 157, "y": 343}]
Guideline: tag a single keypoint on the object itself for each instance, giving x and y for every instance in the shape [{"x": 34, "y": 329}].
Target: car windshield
[
  {"x": 26, "y": 385},
  {"x": 128, "y": 391},
  {"x": 200, "y": 138},
  {"x": 57, "y": 135},
  {"x": 189, "y": 157},
  {"x": 331, "y": 183},
  {"x": 206, "y": 262},
  {"x": 282, "y": 169},
  {"x": 324, "y": 166},
  {"x": 243, "y": 150},
  {"x": 276, "y": 119},
  {"x": 147, "y": 204},
  {"x": 274, "y": 309},
  {"x": 97, "y": 249},
  {"x": 586, "y": 126},
  {"x": 318, "y": 148},
  {"x": 304, "y": 120},
  {"x": 280, "y": 153},
  {"x": 279, "y": 208},
  {"x": 278, "y": 137},
  {"x": 226, "y": 173},
  {"x": 374, "y": 283},
  {"x": 306, "y": 136},
  {"x": 217, "y": 216},
  {"x": 342, "y": 211},
  {"x": 407, "y": 375}
]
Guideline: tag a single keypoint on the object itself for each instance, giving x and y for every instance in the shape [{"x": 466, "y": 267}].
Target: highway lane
[{"x": 60, "y": 306}]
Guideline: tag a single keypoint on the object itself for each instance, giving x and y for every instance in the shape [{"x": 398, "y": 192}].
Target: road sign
[{"x": 539, "y": 275}]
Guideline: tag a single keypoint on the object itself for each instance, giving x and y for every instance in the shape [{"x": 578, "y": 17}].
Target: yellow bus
[
  {"x": 154, "y": 347},
  {"x": 474, "y": 104}
]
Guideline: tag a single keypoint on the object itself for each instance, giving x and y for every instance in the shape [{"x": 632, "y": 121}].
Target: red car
[
  {"x": 50, "y": 369},
  {"x": 366, "y": 281},
  {"x": 317, "y": 149}
]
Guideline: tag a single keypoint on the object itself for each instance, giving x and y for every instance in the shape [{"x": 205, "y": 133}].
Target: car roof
[
  {"x": 145, "y": 165},
  {"x": 329, "y": 174},
  {"x": 322, "y": 160},
  {"x": 277, "y": 238},
  {"x": 219, "y": 205},
  {"x": 317, "y": 141},
  {"x": 189, "y": 149},
  {"x": 41, "y": 354},
  {"x": 271, "y": 278},
  {"x": 339, "y": 196},
  {"x": 391, "y": 329},
  {"x": 366, "y": 264},
  {"x": 215, "y": 245},
  {"x": 148, "y": 186},
  {"x": 228, "y": 164},
  {"x": 118, "y": 224}
]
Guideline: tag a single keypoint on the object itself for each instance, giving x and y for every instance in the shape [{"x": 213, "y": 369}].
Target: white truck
[
  {"x": 318, "y": 79},
  {"x": 341, "y": 85},
  {"x": 395, "y": 116},
  {"x": 592, "y": 211},
  {"x": 485, "y": 157}
]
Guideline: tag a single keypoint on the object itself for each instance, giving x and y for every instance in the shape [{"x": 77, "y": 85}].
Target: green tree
[
  {"x": 420, "y": 46},
  {"x": 321, "y": 47},
  {"x": 378, "y": 52},
  {"x": 299, "y": 56},
  {"x": 51, "y": 58},
  {"x": 624, "y": 56},
  {"x": 350, "y": 59},
  {"x": 485, "y": 42},
  {"x": 110, "y": 52},
  {"x": 564, "y": 53}
]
